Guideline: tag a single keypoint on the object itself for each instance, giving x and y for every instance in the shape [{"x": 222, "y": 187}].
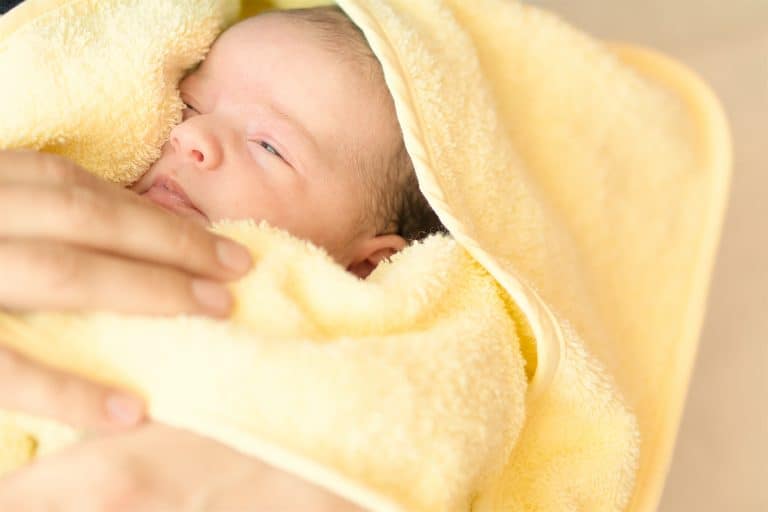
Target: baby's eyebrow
[{"x": 282, "y": 115}]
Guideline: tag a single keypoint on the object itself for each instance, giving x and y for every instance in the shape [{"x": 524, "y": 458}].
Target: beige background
[{"x": 721, "y": 457}]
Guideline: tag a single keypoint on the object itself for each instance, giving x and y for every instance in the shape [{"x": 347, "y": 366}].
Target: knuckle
[
  {"x": 9, "y": 361},
  {"x": 58, "y": 168},
  {"x": 58, "y": 269},
  {"x": 118, "y": 477},
  {"x": 78, "y": 400},
  {"x": 81, "y": 206},
  {"x": 111, "y": 478},
  {"x": 33, "y": 267},
  {"x": 171, "y": 291},
  {"x": 185, "y": 238},
  {"x": 123, "y": 487}
]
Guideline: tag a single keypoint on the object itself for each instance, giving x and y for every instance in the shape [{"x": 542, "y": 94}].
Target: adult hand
[
  {"x": 156, "y": 468},
  {"x": 149, "y": 468},
  {"x": 28, "y": 387},
  {"x": 70, "y": 241}
]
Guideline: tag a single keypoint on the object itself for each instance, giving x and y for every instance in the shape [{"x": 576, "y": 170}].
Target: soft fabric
[
  {"x": 72, "y": 62},
  {"x": 413, "y": 375},
  {"x": 584, "y": 186}
]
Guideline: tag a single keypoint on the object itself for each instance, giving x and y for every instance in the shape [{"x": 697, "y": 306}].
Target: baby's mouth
[{"x": 168, "y": 194}]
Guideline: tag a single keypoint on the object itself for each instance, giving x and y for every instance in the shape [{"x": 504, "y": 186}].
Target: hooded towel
[{"x": 537, "y": 359}]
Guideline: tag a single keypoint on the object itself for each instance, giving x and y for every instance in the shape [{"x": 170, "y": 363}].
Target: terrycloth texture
[
  {"x": 591, "y": 180},
  {"x": 588, "y": 181},
  {"x": 72, "y": 61},
  {"x": 318, "y": 364}
]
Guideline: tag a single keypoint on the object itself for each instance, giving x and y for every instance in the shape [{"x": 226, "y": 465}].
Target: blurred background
[{"x": 721, "y": 457}]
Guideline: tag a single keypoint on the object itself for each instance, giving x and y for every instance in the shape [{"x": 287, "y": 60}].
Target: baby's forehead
[
  {"x": 274, "y": 27},
  {"x": 326, "y": 29},
  {"x": 278, "y": 26},
  {"x": 292, "y": 36}
]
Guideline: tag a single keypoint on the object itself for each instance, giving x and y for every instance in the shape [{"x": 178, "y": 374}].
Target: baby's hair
[{"x": 394, "y": 202}]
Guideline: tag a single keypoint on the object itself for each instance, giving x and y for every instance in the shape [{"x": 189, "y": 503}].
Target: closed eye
[
  {"x": 270, "y": 148},
  {"x": 188, "y": 111}
]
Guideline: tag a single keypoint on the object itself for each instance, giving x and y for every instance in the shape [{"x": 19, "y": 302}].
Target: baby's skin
[{"x": 272, "y": 120}]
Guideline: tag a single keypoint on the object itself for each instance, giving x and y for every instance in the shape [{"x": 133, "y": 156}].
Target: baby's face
[{"x": 272, "y": 122}]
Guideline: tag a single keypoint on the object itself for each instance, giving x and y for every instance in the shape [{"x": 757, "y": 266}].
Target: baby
[{"x": 289, "y": 120}]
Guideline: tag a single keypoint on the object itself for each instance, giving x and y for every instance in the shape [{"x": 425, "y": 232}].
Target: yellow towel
[
  {"x": 584, "y": 185},
  {"x": 72, "y": 63}
]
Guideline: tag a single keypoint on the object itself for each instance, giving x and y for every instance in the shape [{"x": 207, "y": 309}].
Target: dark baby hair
[{"x": 395, "y": 203}]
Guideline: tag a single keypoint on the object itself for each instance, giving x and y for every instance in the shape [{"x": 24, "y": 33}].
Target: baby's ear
[{"x": 373, "y": 251}]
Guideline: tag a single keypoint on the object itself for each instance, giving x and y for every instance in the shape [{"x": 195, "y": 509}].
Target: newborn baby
[{"x": 289, "y": 120}]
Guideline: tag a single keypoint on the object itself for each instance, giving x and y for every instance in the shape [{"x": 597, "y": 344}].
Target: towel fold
[
  {"x": 341, "y": 379},
  {"x": 537, "y": 359}
]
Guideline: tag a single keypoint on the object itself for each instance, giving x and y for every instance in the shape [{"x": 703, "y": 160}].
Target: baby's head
[{"x": 289, "y": 120}]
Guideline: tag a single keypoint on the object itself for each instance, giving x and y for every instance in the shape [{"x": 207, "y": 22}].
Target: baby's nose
[{"x": 194, "y": 145}]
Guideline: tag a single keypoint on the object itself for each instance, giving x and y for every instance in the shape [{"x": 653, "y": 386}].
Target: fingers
[
  {"x": 124, "y": 226},
  {"x": 69, "y": 480},
  {"x": 34, "y": 167},
  {"x": 49, "y": 276},
  {"x": 115, "y": 473},
  {"x": 28, "y": 387},
  {"x": 69, "y": 241},
  {"x": 50, "y": 197}
]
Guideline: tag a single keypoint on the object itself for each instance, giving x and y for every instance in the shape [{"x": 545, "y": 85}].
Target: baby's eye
[
  {"x": 188, "y": 112},
  {"x": 270, "y": 148}
]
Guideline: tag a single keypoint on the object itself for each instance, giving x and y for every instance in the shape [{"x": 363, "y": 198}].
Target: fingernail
[
  {"x": 233, "y": 256},
  {"x": 212, "y": 296},
  {"x": 125, "y": 409}
]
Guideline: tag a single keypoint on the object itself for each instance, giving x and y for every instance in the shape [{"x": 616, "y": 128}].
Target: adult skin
[{"x": 68, "y": 242}]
